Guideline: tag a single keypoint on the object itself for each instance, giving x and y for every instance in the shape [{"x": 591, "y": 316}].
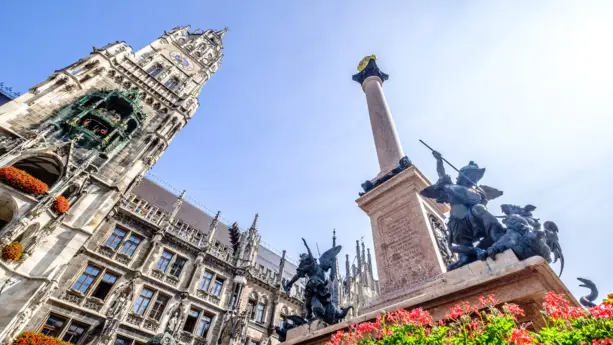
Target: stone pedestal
[
  {"x": 512, "y": 281},
  {"x": 406, "y": 249},
  {"x": 305, "y": 330}
]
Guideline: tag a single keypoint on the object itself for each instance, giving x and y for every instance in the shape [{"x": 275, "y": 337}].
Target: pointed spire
[
  {"x": 370, "y": 264},
  {"x": 363, "y": 252},
  {"x": 357, "y": 250},
  {"x": 333, "y": 238},
  {"x": 177, "y": 205},
  {"x": 347, "y": 270},
  {"x": 212, "y": 228},
  {"x": 222, "y": 32},
  {"x": 281, "y": 269},
  {"x": 254, "y": 225}
]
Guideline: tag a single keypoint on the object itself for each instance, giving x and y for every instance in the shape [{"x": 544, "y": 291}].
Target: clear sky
[{"x": 523, "y": 88}]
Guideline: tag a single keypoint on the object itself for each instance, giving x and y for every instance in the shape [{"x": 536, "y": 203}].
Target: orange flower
[
  {"x": 12, "y": 251},
  {"x": 29, "y": 338},
  {"x": 23, "y": 181},
  {"x": 61, "y": 205}
]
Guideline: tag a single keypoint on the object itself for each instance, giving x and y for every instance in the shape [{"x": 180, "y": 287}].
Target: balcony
[{"x": 178, "y": 228}]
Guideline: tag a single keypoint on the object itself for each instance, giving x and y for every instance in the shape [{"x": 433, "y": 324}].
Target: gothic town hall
[{"x": 95, "y": 253}]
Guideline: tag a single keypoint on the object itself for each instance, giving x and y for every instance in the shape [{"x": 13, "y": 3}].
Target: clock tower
[{"x": 74, "y": 145}]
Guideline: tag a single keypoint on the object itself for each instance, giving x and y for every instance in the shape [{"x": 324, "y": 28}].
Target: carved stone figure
[
  {"x": 292, "y": 321},
  {"x": 119, "y": 307},
  {"x": 317, "y": 295},
  {"x": 440, "y": 234},
  {"x": 469, "y": 221},
  {"x": 588, "y": 300},
  {"x": 172, "y": 323},
  {"x": 234, "y": 326}
]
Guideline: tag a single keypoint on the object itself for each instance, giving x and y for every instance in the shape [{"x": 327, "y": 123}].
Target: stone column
[
  {"x": 387, "y": 142},
  {"x": 405, "y": 247}
]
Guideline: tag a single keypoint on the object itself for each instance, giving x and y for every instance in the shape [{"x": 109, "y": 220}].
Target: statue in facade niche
[
  {"x": 318, "y": 303},
  {"x": 234, "y": 326},
  {"x": 470, "y": 221}
]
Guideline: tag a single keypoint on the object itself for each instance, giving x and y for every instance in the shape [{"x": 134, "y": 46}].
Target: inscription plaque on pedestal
[{"x": 406, "y": 249}]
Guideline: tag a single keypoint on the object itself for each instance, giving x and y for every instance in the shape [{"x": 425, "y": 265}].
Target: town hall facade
[{"x": 109, "y": 256}]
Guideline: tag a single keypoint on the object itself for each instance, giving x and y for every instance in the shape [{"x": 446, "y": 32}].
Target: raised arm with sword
[{"x": 469, "y": 221}]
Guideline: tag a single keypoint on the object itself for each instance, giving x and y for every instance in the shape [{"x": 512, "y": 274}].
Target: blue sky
[{"x": 523, "y": 88}]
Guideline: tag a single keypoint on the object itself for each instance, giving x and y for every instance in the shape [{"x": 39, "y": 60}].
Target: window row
[
  {"x": 64, "y": 328},
  {"x": 257, "y": 308},
  {"x": 126, "y": 241},
  {"x": 215, "y": 288}
]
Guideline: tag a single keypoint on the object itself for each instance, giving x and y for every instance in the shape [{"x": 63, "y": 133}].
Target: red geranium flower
[
  {"x": 29, "y": 338},
  {"x": 23, "y": 181},
  {"x": 61, "y": 204},
  {"x": 12, "y": 251}
]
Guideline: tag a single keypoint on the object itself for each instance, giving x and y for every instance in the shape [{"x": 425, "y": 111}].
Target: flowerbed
[
  {"x": 487, "y": 323},
  {"x": 29, "y": 338},
  {"x": 61, "y": 204},
  {"x": 12, "y": 251},
  {"x": 23, "y": 181}
]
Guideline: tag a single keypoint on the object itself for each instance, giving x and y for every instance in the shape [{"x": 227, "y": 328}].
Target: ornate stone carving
[
  {"x": 440, "y": 234},
  {"x": 150, "y": 325},
  {"x": 123, "y": 259},
  {"x": 72, "y": 298},
  {"x": 93, "y": 304},
  {"x": 134, "y": 319},
  {"x": 185, "y": 337},
  {"x": 201, "y": 294},
  {"x": 157, "y": 274},
  {"x": 106, "y": 251},
  {"x": 171, "y": 280}
]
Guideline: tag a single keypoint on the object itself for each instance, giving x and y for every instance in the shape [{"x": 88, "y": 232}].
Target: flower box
[
  {"x": 22, "y": 181},
  {"x": 12, "y": 252},
  {"x": 30, "y": 338},
  {"x": 489, "y": 322},
  {"x": 60, "y": 205}
]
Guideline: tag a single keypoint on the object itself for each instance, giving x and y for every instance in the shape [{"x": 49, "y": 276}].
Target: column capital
[{"x": 370, "y": 70}]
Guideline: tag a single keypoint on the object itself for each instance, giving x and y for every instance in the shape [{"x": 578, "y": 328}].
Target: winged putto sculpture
[{"x": 318, "y": 303}]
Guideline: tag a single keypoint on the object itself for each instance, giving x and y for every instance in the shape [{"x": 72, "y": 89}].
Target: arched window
[
  {"x": 26, "y": 237},
  {"x": 46, "y": 168},
  {"x": 172, "y": 83},
  {"x": 132, "y": 125},
  {"x": 8, "y": 210},
  {"x": 155, "y": 69},
  {"x": 260, "y": 310},
  {"x": 71, "y": 191},
  {"x": 251, "y": 304},
  {"x": 174, "y": 130}
]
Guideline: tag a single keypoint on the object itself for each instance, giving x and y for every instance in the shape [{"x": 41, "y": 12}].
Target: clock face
[{"x": 181, "y": 60}]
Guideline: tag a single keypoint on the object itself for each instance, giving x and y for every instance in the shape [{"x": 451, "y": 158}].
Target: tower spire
[
  {"x": 177, "y": 205},
  {"x": 254, "y": 225},
  {"x": 359, "y": 258},
  {"x": 213, "y": 228},
  {"x": 222, "y": 32},
  {"x": 333, "y": 238}
]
